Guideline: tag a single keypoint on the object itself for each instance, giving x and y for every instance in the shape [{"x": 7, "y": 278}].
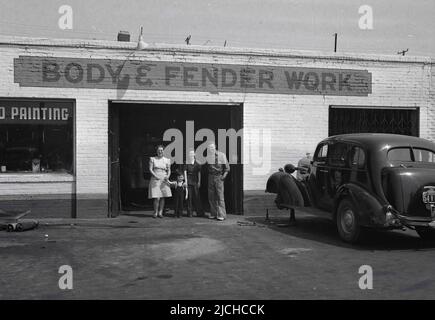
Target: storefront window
[{"x": 36, "y": 136}]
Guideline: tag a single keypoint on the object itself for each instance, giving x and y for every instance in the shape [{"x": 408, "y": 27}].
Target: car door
[
  {"x": 339, "y": 170},
  {"x": 319, "y": 176},
  {"x": 358, "y": 173}
]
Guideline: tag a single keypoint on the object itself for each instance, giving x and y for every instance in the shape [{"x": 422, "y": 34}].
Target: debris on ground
[
  {"x": 11, "y": 221},
  {"x": 249, "y": 224}
]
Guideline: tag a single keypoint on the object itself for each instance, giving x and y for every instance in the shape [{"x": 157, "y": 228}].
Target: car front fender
[{"x": 370, "y": 210}]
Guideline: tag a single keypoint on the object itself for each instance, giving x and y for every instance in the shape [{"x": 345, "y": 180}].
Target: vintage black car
[{"x": 366, "y": 180}]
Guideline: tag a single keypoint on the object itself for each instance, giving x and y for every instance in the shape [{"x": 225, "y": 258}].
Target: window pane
[
  {"x": 321, "y": 152},
  {"x": 400, "y": 154},
  {"x": 422, "y": 155},
  {"x": 358, "y": 157},
  {"x": 338, "y": 155},
  {"x": 36, "y": 136},
  {"x": 324, "y": 151}
]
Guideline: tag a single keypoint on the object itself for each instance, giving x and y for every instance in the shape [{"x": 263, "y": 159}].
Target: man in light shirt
[{"x": 218, "y": 168}]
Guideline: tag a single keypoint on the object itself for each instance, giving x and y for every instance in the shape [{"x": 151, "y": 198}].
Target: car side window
[
  {"x": 322, "y": 152},
  {"x": 338, "y": 155},
  {"x": 357, "y": 157}
]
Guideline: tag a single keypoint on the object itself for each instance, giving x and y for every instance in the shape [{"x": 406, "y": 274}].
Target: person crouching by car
[
  {"x": 180, "y": 193},
  {"x": 289, "y": 193},
  {"x": 304, "y": 163}
]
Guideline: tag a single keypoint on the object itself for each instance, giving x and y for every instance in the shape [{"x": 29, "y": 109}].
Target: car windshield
[{"x": 411, "y": 155}]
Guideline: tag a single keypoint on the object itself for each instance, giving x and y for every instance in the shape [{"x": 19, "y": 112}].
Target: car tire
[
  {"x": 348, "y": 225},
  {"x": 426, "y": 233}
]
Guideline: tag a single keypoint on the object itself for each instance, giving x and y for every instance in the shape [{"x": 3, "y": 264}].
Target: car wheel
[
  {"x": 426, "y": 233},
  {"x": 348, "y": 225}
]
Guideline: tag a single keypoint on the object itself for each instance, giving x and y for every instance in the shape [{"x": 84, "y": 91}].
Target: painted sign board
[
  {"x": 62, "y": 72},
  {"x": 35, "y": 112}
]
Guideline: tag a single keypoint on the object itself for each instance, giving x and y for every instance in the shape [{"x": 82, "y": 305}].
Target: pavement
[{"x": 244, "y": 257}]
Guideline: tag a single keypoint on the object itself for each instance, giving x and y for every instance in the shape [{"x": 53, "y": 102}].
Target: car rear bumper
[{"x": 417, "y": 221}]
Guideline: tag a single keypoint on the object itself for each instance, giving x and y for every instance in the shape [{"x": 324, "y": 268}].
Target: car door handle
[{"x": 323, "y": 170}]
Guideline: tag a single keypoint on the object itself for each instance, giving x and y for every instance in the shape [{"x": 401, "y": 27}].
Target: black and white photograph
[{"x": 208, "y": 152}]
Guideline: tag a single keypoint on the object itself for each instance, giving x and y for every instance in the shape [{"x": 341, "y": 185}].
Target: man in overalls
[{"x": 218, "y": 168}]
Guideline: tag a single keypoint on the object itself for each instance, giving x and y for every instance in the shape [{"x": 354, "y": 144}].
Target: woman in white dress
[{"x": 160, "y": 169}]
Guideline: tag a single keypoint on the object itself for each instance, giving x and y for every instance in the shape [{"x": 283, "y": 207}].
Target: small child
[{"x": 181, "y": 193}]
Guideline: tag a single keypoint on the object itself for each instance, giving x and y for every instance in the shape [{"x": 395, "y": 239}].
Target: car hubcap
[{"x": 348, "y": 221}]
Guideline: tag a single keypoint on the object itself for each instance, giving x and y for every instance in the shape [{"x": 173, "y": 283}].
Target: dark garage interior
[{"x": 136, "y": 129}]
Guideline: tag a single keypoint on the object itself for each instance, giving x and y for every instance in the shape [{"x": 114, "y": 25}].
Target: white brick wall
[
  {"x": 297, "y": 122},
  {"x": 431, "y": 105}
]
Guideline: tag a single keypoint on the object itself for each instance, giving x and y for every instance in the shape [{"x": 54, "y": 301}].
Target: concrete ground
[{"x": 137, "y": 257}]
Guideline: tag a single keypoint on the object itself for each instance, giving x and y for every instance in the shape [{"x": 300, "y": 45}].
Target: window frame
[
  {"x": 356, "y": 165},
  {"x": 318, "y": 158},
  {"x": 72, "y": 103},
  {"x": 345, "y": 162},
  {"x": 411, "y": 153},
  {"x": 423, "y": 149}
]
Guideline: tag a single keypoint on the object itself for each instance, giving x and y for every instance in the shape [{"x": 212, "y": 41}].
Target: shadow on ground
[{"x": 323, "y": 230}]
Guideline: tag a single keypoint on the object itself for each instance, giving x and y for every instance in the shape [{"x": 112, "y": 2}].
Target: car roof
[{"x": 379, "y": 140}]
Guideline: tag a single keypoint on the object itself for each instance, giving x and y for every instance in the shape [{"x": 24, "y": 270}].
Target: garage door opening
[
  {"x": 135, "y": 130},
  {"x": 344, "y": 119}
]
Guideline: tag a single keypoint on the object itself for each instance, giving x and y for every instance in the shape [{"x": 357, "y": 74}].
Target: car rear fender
[{"x": 370, "y": 210}]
